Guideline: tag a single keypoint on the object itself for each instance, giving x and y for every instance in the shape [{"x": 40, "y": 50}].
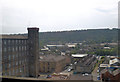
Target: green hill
[{"x": 96, "y": 35}]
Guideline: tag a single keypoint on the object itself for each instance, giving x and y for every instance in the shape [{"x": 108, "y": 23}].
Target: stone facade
[
  {"x": 20, "y": 53},
  {"x": 33, "y": 44},
  {"x": 52, "y": 63}
]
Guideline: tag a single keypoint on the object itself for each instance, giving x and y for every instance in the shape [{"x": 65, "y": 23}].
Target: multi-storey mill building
[{"x": 20, "y": 54}]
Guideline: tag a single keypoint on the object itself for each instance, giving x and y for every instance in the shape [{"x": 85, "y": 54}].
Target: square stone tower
[{"x": 33, "y": 47}]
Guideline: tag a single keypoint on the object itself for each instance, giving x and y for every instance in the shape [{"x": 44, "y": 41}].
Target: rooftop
[
  {"x": 13, "y": 37},
  {"x": 33, "y": 28},
  {"x": 79, "y": 55},
  {"x": 113, "y": 72},
  {"x": 55, "y": 45},
  {"x": 104, "y": 65},
  {"x": 104, "y": 71},
  {"x": 117, "y": 71},
  {"x": 51, "y": 58},
  {"x": 113, "y": 61}
]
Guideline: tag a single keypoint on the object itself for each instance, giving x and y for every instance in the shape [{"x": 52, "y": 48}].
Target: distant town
[{"x": 25, "y": 57}]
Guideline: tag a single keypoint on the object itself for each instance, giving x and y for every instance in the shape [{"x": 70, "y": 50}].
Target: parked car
[
  {"x": 86, "y": 74},
  {"x": 98, "y": 71},
  {"x": 98, "y": 77},
  {"x": 69, "y": 70},
  {"x": 83, "y": 74},
  {"x": 70, "y": 67},
  {"x": 75, "y": 62},
  {"x": 49, "y": 76}
]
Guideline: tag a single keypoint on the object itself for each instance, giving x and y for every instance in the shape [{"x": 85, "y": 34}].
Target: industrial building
[
  {"x": 51, "y": 63},
  {"x": 78, "y": 57},
  {"x": 86, "y": 65},
  {"x": 20, "y": 54}
]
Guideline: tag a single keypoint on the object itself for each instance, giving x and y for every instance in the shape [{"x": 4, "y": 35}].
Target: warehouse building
[
  {"x": 86, "y": 65},
  {"x": 52, "y": 63},
  {"x": 78, "y": 57}
]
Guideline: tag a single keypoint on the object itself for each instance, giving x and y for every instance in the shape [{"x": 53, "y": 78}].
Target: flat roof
[
  {"x": 104, "y": 65},
  {"x": 79, "y": 55},
  {"x": 54, "y": 45},
  {"x": 13, "y": 37},
  {"x": 33, "y": 28}
]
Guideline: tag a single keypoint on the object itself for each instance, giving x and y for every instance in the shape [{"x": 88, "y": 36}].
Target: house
[
  {"x": 108, "y": 75},
  {"x": 114, "y": 62}
]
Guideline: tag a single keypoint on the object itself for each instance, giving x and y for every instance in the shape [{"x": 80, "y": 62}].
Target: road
[
  {"x": 66, "y": 71},
  {"x": 95, "y": 74}
]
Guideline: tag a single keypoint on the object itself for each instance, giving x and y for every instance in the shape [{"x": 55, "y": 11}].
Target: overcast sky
[{"x": 58, "y": 15}]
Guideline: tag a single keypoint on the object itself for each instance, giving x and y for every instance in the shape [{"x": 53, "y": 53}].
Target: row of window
[
  {"x": 13, "y": 64},
  {"x": 17, "y": 48},
  {"x": 13, "y": 56},
  {"x": 14, "y": 72},
  {"x": 5, "y": 42}
]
